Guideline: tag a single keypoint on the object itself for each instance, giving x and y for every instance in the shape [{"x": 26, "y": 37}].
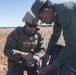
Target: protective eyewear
[{"x": 30, "y": 25}]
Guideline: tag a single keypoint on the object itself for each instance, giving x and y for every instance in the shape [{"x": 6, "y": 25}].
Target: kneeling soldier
[{"x": 24, "y": 47}]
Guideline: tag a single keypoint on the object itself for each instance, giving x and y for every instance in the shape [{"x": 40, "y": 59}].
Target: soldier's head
[
  {"x": 29, "y": 21},
  {"x": 42, "y": 9}
]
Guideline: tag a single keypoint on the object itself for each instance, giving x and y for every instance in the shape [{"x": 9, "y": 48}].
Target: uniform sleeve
[
  {"x": 68, "y": 21},
  {"x": 40, "y": 50},
  {"x": 54, "y": 38},
  {"x": 10, "y": 47}
]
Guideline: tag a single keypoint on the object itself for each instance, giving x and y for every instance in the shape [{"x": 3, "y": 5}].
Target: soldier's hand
[
  {"x": 45, "y": 59},
  {"x": 27, "y": 56}
]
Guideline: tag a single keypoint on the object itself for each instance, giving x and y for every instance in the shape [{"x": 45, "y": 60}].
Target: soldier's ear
[{"x": 45, "y": 10}]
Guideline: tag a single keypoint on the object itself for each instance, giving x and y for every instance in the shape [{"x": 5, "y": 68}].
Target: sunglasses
[{"x": 32, "y": 26}]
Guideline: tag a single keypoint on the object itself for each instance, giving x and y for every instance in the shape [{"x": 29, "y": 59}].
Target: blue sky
[{"x": 12, "y": 11}]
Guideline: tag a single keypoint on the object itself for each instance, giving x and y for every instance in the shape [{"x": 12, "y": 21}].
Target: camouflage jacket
[{"x": 12, "y": 43}]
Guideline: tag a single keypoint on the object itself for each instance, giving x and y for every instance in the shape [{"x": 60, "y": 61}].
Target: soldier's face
[
  {"x": 47, "y": 16},
  {"x": 31, "y": 28}
]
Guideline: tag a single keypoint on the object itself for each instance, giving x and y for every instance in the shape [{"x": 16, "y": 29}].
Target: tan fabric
[{"x": 29, "y": 17}]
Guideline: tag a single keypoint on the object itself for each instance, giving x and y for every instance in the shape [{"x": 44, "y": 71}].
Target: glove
[
  {"x": 27, "y": 56},
  {"x": 31, "y": 63}
]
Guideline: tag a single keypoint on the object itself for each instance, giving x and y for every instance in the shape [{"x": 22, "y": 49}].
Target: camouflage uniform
[{"x": 20, "y": 41}]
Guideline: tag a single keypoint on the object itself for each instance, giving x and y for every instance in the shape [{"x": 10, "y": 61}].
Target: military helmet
[{"x": 29, "y": 18}]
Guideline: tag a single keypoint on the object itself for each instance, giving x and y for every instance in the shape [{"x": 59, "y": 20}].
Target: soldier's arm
[
  {"x": 10, "y": 47},
  {"x": 40, "y": 49},
  {"x": 68, "y": 21},
  {"x": 54, "y": 38}
]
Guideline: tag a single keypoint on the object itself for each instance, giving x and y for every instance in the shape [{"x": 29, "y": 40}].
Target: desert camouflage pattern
[{"x": 20, "y": 41}]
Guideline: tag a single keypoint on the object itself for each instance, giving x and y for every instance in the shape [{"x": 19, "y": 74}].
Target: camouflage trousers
[
  {"x": 16, "y": 69},
  {"x": 68, "y": 68}
]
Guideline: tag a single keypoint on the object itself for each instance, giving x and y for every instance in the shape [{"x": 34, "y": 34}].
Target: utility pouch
[{"x": 31, "y": 63}]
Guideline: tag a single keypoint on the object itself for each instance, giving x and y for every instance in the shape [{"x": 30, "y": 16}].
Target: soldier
[
  {"x": 63, "y": 15},
  {"x": 24, "y": 47}
]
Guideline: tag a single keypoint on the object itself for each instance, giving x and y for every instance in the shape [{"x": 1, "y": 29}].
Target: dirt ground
[{"x": 3, "y": 36}]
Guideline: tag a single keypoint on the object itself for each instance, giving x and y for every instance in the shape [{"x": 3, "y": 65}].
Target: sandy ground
[{"x": 3, "y": 36}]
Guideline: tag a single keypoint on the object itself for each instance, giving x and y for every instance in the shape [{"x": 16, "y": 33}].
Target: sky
[{"x": 12, "y": 11}]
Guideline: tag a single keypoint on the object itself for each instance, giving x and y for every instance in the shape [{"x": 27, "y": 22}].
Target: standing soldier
[
  {"x": 63, "y": 15},
  {"x": 24, "y": 47}
]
